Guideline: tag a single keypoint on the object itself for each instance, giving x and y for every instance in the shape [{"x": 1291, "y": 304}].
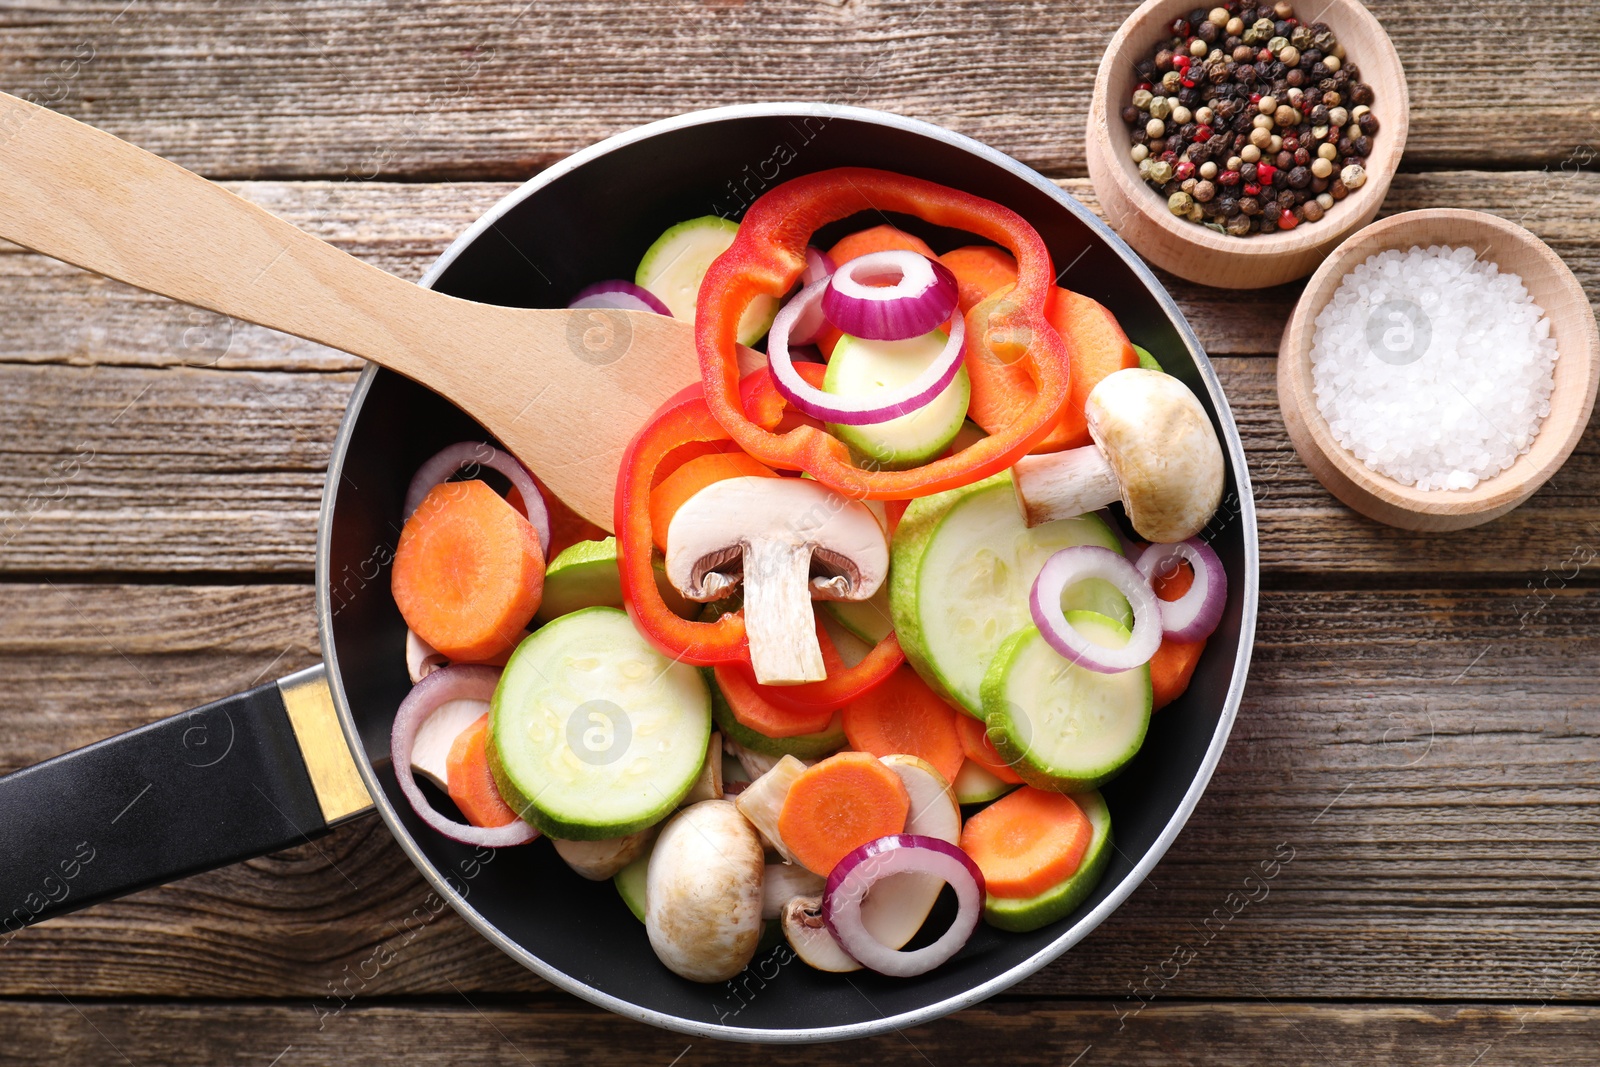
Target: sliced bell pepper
[
  {"x": 682, "y": 428},
  {"x": 767, "y": 257}
]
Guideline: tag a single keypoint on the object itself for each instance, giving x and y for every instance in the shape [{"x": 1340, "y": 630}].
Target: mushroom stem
[
  {"x": 777, "y": 613},
  {"x": 1060, "y": 485}
]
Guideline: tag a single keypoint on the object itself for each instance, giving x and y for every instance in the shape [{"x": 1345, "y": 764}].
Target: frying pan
[{"x": 288, "y": 761}]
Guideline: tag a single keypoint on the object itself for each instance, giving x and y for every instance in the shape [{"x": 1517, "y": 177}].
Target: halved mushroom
[
  {"x": 703, "y": 892},
  {"x": 1154, "y": 448},
  {"x": 599, "y": 860},
  {"x": 789, "y": 540},
  {"x": 808, "y": 934}
]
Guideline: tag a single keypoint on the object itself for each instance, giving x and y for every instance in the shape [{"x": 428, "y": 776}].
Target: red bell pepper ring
[
  {"x": 681, "y": 423},
  {"x": 767, "y": 257}
]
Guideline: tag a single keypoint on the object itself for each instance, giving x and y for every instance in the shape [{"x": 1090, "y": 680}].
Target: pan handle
[{"x": 241, "y": 777}]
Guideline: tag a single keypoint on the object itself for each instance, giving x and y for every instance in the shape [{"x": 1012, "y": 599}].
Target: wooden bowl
[
  {"x": 1139, "y": 213},
  {"x": 1577, "y": 372}
]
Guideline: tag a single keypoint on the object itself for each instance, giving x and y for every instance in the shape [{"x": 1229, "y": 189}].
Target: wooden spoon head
[{"x": 566, "y": 390}]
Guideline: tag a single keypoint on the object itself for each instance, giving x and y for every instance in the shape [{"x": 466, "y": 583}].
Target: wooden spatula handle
[{"x": 91, "y": 199}]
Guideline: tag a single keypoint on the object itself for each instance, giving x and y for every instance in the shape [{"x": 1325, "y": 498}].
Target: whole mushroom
[
  {"x": 703, "y": 892},
  {"x": 788, "y": 540},
  {"x": 1154, "y": 449}
]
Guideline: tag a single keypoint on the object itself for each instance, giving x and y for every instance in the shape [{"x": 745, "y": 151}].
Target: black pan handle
[{"x": 241, "y": 777}]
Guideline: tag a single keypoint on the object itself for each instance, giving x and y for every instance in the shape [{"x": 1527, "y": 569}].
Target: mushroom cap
[
  {"x": 1162, "y": 447},
  {"x": 707, "y": 532},
  {"x": 703, "y": 892}
]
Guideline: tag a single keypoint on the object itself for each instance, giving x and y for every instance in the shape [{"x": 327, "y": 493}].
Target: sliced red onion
[
  {"x": 1073, "y": 565},
  {"x": 1196, "y": 613},
  {"x": 446, "y": 684},
  {"x": 855, "y": 411},
  {"x": 818, "y": 266},
  {"x": 854, "y": 876},
  {"x": 465, "y": 454},
  {"x": 620, "y": 295},
  {"x": 921, "y": 297}
]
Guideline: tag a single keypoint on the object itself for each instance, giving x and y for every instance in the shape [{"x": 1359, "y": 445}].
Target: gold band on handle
[{"x": 340, "y": 791}]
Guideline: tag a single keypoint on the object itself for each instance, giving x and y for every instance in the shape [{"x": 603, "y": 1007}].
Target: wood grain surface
[
  {"x": 499, "y": 88},
  {"x": 1422, "y": 724}
]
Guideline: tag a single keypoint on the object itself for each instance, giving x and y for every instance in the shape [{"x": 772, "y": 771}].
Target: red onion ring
[
  {"x": 859, "y": 411},
  {"x": 818, "y": 266},
  {"x": 853, "y": 877},
  {"x": 1072, "y": 565},
  {"x": 921, "y": 299},
  {"x": 465, "y": 454},
  {"x": 447, "y": 683},
  {"x": 621, "y": 296},
  {"x": 1196, "y": 613},
  {"x": 810, "y": 322}
]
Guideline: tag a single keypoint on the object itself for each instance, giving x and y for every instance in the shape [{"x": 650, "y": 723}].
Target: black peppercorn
[
  {"x": 1164, "y": 60},
  {"x": 1232, "y": 44},
  {"x": 1362, "y": 145},
  {"x": 1268, "y": 224},
  {"x": 1198, "y": 15},
  {"x": 1361, "y": 93},
  {"x": 1204, "y": 191},
  {"x": 1281, "y": 28},
  {"x": 1248, "y": 174},
  {"x": 1353, "y": 72},
  {"x": 1319, "y": 185},
  {"x": 1130, "y": 114},
  {"x": 1228, "y": 206},
  {"x": 1299, "y": 178},
  {"x": 1250, "y": 205},
  {"x": 1313, "y": 211},
  {"x": 1286, "y": 198},
  {"x": 1337, "y": 189},
  {"x": 1246, "y": 75},
  {"x": 1319, "y": 115},
  {"x": 1295, "y": 78},
  {"x": 1199, "y": 153},
  {"x": 1176, "y": 144},
  {"x": 1368, "y": 123},
  {"x": 1238, "y": 225},
  {"x": 1138, "y": 136},
  {"x": 1188, "y": 97},
  {"x": 1179, "y": 27},
  {"x": 1284, "y": 160},
  {"x": 1242, "y": 124},
  {"x": 1208, "y": 32},
  {"x": 1346, "y": 147},
  {"x": 1146, "y": 69}
]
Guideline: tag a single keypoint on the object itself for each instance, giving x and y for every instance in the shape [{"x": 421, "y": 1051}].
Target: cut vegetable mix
[
  {"x": 1022, "y": 914},
  {"x": 861, "y": 368},
  {"x": 673, "y": 267},
  {"x": 839, "y": 805},
  {"x": 593, "y": 733}
]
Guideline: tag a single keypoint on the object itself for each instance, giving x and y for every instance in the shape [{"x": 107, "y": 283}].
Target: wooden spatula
[{"x": 564, "y": 390}]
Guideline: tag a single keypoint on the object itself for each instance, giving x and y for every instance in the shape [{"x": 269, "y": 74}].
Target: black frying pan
[{"x": 268, "y": 769}]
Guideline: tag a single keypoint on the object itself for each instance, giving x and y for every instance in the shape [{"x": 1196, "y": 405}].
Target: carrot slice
[
  {"x": 471, "y": 782},
  {"x": 978, "y": 746},
  {"x": 981, "y": 271},
  {"x": 1096, "y": 346},
  {"x": 1174, "y": 662},
  {"x": 1027, "y": 841},
  {"x": 752, "y": 705},
  {"x": 839, "y": 805},
  {"x": 904, "y": 715},
  {"x": 468, "y": 572},
  {"x": 676, "y": 488},
  {"x": 883, "y": 238}
]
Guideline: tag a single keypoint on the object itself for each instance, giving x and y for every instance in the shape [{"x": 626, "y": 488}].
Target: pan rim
[{"x": 1068, "y": 938}]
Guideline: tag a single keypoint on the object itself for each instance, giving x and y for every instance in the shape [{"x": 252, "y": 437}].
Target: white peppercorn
[
  {"x": 1322, "y": 167},
  {"x": 1250, "y": 153},
  {"x": 1332, "y": 62},
  {"x": 1181, "y": 115},
  {"x": 1155, "y": 128},
  {"x": 1267, "y": 105},
  {"x": 1353, "y": 176},
  {"x": 1208, "y": 170},
  {"x": 1328, "y": 151},
  {"x": 1204, "y": 116},
  {"x": 1326, "y": 200},
  {"x": 1140, "y": 153}
]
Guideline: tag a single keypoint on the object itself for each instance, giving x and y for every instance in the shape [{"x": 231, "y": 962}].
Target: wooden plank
[
  {"x": 1423, "y": 765},
  {"x": 115, "y": 468},
  {"x": 58, "y": 314},
  {"x": 500, "y": 88},
  {"x": 562, "y": 1031}
]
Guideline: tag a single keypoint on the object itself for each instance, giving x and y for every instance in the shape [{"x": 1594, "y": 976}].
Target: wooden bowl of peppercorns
[{"x": 1236, "y": 145}]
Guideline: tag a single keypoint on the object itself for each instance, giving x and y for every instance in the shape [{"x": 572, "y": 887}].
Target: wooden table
[{"x": 1422, "y": 723}]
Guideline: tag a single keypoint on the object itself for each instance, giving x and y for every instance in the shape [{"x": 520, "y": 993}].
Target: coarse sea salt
[{"x": 1433, "y": 367}]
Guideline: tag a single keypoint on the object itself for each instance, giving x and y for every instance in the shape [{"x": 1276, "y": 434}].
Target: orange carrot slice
[
  {"x": 749, "y": 702},
  {"x": 876, "y": 239},
  {"x": 904, "y": 715},
  {"x": 839, "y": 805},
  {"x": 471, "y": 782},
  {"x": 1173, "y": 665},
  {"x": 981, "y": 271},
  {"x": 468, "y": 572},
  {"x": 978, "y": 746},
  {"x": 1027, "y": 841},
  {"x": 676, "y": 488}
]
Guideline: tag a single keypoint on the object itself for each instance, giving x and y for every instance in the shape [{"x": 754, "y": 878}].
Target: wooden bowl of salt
[{"x": 1386, "y": 340}]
